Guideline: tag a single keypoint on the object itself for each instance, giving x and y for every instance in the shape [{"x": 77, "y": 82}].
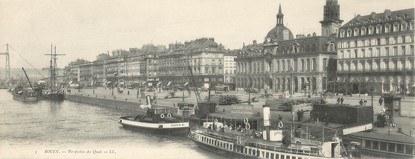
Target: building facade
[
  {"x": 284, "y": 63},
  {"x": 201, "y": 59},
  {"x": 229, "y": 67},
  {"x": 376, "y": 52}
]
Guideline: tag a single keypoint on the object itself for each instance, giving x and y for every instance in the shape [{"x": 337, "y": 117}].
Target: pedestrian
[
  {"x": 380, "y": 101},
  {"x": 279, "y": 117},
  {"x": 338, "y": 100},
  {"x": 341, "y": 100},
  {"x": 292, "y": 114},
  {"x": 361, "y": 102},
  {"x": 128, "y": 92}
]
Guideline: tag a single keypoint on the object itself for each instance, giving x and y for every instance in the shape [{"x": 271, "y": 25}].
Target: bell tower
[
  {"x": 331, "y": 22},
  {"x": 280, "y": 17}
]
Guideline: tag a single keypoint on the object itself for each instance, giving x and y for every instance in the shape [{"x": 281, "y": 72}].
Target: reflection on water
[{"x": 74, "y": 129}]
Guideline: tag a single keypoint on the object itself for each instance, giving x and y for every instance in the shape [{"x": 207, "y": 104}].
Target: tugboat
[
  {"x": 262, "y": 140},
  {"x": 25, "y": 94},
  {"x": 157, "y": 119}
]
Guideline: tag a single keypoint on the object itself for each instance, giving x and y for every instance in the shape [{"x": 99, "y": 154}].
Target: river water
[{"x": 72, "y": 130}]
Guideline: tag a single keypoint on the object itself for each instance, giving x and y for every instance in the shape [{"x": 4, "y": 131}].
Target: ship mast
[{"x": 53, "y": 66}]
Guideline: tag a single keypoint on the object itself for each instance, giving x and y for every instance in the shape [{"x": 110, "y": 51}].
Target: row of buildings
[
  {"x": 368, "y": 53},
  {"x": 202, "y": 60}
]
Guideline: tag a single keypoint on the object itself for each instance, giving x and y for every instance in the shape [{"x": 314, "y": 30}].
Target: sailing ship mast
[{"x": 53, "y": 66}]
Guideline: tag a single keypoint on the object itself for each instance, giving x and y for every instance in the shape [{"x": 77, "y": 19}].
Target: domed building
[
  {"x": 279, "y": 32},
  {"x": 298, "y": 66}
]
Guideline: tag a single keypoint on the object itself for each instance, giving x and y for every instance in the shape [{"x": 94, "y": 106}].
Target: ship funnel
[
  {"x": 267, "y": 113},
  {"x": 148, "y": 103},
  {"x": 148, "y": 100}
]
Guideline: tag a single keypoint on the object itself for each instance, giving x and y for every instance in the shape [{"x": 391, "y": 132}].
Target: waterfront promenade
[{"x": 407, "y": 124}]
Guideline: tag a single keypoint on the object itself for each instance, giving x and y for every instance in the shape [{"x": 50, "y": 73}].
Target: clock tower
[{"x": 331, "y": 23}]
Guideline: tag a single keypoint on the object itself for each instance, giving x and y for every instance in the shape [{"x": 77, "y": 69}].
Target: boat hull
[
  {"x": 235, "y": 150},
  {"x": 57, "y": 97},
  {"x": 28, "y": 99},
  {"x": 164, "y": 128}
]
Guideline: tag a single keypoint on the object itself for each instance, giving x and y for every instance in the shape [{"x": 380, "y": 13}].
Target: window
[
  {"x": 375, "y": 144},
  {"x": 349, "y": 32},
  {"x": 363, "y": 31},
  {"x": 403, "y": 50},
  {"x": 368, "y": 143},
  {"x": 409, "y": 149},
  {"x": 356, "y": 32},
  {"x": 403, "y": 26},
  {"x": 383, "y": 146},
  {"x": 387, "y": 28},
  {"x": 395, "y": 51},
  {"x": 371, "y": 30},
  {"x": 391, "y": 147},
  {"x": 378, "y": 29},
  {"x": 342, "y": 33},
  {"x": 395, "y": 27}
]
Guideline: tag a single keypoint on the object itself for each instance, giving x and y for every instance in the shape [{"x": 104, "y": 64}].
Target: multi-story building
[
  {"x": 229, "y": 67},
  {"x": 201, "y": 57},
  {"x": 377, "y": 51},
  {"x": 283, "y": 63}
]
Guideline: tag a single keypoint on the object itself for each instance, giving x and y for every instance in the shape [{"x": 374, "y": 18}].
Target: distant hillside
[{"x": 32, "y": 73}]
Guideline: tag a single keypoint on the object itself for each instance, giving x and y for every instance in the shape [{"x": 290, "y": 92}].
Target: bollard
[
  {"x": 105, "y": 97},
  {"x": 126, "y": 99},
  {"x": 88, "y": 95},
  {"x": 410, "y": 133},
  {"x": 96, "y": 96},
  {"x": 389, "y": 131}
]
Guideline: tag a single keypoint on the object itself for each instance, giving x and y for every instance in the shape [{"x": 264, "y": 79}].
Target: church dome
[{"x": 279, "y": 32}]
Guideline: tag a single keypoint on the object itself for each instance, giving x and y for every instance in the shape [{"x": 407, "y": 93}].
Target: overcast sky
[{"x": 85, "y": 28}]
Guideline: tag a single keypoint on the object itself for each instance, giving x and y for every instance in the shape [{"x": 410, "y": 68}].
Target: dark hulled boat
[{"x": 156, "y": 119}]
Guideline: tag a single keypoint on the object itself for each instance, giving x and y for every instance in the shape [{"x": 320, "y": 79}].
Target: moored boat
[
  {"x": 157, "y": 119},
  {"x": 25, "y": 96},
  {"x": 254, "y": 141}
]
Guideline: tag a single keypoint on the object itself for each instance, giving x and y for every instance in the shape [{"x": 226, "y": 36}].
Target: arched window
[
  {"x": 356, "y": 32},
  {"x": 331, "y": 47},
  {"x": 378, "y": 29},
  {"x": 371, "y": 30},
  {"x": 403, "y": 26},
  {"x": 342, "y": 33},
  {"x": 387, "y": 28},
  {"x": 395, "y": 27},
  {"x": 296, "y": 48},
  {"x": 363, "y": 31},
  {"x": 349, "y": 32}
]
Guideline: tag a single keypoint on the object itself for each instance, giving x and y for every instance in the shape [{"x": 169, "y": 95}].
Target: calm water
[{"x": 80, "y": 131}]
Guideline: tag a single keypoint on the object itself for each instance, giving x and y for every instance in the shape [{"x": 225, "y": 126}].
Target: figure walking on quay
[{"x": 380, "y": 101}]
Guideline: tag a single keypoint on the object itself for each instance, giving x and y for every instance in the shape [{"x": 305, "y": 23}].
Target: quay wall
[{"x": 105, "y": 102}]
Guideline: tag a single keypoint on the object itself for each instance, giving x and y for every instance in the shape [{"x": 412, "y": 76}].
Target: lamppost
[{"x": 372, "y": 92}]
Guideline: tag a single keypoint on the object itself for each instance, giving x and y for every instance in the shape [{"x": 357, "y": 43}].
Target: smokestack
[
  {"x": 267, "y": 114},
  {"x": 148, "y": 100}
]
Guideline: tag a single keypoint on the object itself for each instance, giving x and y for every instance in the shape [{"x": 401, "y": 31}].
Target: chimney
[
  {"x": 254, "y": 42},
  {"x": 314, "y": 34},
  {"x": 387, "y": 13}
]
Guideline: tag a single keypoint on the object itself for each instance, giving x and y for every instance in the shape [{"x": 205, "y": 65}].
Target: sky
[{"x": 86, "y": 28}]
